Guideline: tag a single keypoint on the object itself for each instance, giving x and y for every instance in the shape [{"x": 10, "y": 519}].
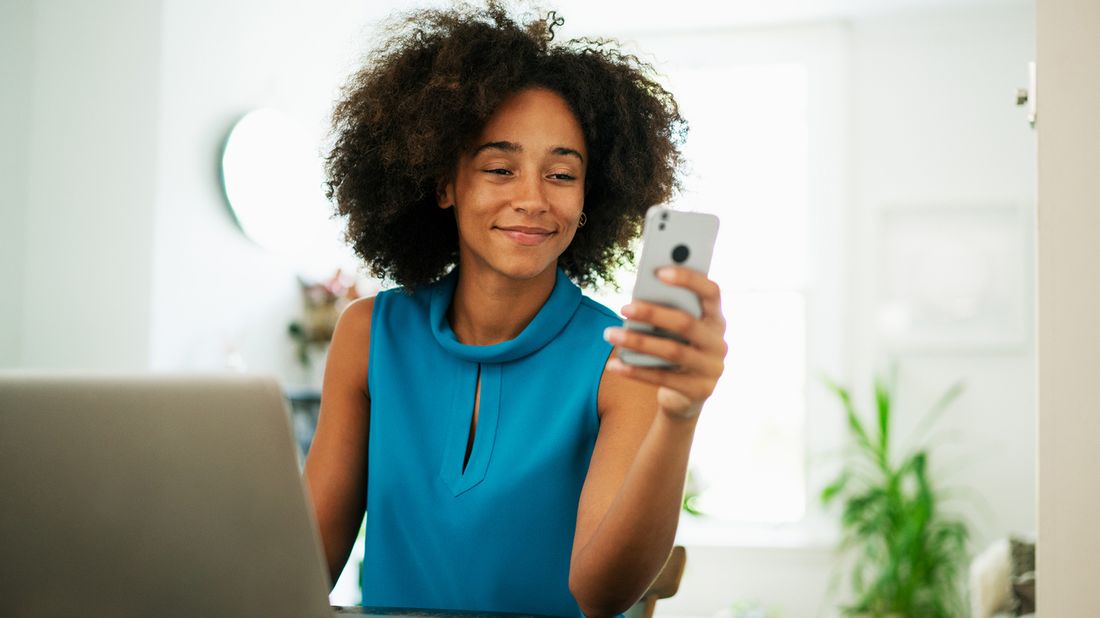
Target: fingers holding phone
[
  {"x": 678, "y": 325},
  {"x": 692, "y": 349},
  {"x": 674, "y": 333}
]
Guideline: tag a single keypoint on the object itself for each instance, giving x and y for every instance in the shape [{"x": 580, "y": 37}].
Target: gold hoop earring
[{"x": 584, "y": 219}]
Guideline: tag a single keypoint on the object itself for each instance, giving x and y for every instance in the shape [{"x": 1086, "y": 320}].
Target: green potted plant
[{"x": 907, "y": 555}]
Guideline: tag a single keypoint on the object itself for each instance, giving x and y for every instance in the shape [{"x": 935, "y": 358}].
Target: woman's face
[{"x": 518, "y": 191}]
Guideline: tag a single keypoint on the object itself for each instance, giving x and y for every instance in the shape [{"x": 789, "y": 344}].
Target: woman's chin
[
  {"x": 532, "y": 273},
  {"x": 517, "y": 265},
  {"x": 526, "y": 270}
]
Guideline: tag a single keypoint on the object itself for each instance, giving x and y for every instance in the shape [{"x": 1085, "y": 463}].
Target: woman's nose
[{"x": 529, "y": 196}]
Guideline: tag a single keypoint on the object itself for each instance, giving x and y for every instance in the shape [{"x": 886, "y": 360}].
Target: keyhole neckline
[{"x": 551, "y": 318}]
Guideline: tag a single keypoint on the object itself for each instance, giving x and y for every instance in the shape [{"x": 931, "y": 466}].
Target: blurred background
[{"x": 874, "y": 175}]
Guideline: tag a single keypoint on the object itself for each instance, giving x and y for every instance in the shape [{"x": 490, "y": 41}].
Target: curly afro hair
[{"x": 404, "y": 120}]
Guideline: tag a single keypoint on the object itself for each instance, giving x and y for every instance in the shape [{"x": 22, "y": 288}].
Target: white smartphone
[{"x": 670, "y": 238}]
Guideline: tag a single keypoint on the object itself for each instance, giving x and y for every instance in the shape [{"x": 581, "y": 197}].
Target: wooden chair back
[{"x": 666, "y": 584}]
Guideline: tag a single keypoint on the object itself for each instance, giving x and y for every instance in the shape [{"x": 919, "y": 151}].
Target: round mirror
[{"x": 273, "y": 181}]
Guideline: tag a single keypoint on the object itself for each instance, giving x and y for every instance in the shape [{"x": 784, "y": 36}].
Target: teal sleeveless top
[{"x": 496, "y": 536}]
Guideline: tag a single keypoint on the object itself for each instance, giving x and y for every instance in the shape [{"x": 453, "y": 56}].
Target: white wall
[
  {"x": 1069, "y": 293},
  {"x": 16, "y": 19},
  {"x": 117, "y": 250},
  {"x": 214, "y": 289},
  {"x": 93, "y": 147},
  {"x": 936, "y": 126}
]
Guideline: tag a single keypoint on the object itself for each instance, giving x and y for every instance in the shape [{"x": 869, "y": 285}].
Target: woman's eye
[
  {"x": 499, "y": 171},
  {"x": 562, "y": 176}
]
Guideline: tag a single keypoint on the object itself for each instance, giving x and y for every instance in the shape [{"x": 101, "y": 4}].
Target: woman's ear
[{"x": 445, "y": 194}]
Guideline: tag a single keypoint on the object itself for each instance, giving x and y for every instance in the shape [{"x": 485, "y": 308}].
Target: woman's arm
[
  {"x": 630, "y": 504},
  {"x": 336, "y": 467}
]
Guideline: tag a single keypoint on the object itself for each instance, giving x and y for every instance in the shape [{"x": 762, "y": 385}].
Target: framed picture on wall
[{"x": 954, "y": 277}]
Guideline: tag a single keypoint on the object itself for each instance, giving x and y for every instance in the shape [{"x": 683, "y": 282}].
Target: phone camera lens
[
  {"x": 680, "y": 254},
  {"x": 664, "y": 215},
  {"x": 661, "y": 226}
]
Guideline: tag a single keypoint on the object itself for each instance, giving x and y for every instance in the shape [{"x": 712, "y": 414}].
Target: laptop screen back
[{"x": 153, "y": 495}]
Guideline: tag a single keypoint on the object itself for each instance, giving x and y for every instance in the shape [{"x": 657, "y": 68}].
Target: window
[
  {"x": 749, "y": 154},
  {"x": 766, "y": 153},
  {"x": 747, "y": 163}
]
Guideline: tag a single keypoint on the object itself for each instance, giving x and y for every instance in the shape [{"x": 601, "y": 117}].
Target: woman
[{"x": 507, "y": 460}]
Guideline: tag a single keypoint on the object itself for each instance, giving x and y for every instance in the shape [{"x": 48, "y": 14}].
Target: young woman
[{"x": 506, "y": 459}]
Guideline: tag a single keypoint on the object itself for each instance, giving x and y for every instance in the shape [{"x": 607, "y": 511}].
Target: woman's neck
[{"x": 490, "y": 308}]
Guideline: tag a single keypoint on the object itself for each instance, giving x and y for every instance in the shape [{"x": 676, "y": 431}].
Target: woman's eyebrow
[
  {"x": 505, "y": 146},
  {"x": 512, "y": 147},
  {"x": 562, "y": 150}
]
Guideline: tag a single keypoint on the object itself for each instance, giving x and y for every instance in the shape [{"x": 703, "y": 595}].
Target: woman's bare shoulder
[
  {"x": 348, "y": 354},
  {"x": 357, "y": 315}
]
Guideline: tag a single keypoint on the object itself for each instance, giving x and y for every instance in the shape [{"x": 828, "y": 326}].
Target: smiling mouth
[{"x": 526, "y": 236}]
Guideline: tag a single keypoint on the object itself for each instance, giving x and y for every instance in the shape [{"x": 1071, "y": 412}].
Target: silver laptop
[{"x": 153, "y": 496}]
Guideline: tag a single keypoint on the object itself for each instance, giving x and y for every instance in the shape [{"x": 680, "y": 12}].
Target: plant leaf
[
  {"x": 882, "y": 407},
  {"x": 833, "y": 489},
  {"x": 854, "y": 424},
  {"x": 929, "y": 418}
]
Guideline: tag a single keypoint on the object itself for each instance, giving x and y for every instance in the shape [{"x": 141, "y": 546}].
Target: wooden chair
[{"x": 666, "y": 585}]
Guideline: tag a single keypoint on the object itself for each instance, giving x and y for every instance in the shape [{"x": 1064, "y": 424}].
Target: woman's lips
[{"x": 526, "y": 238}]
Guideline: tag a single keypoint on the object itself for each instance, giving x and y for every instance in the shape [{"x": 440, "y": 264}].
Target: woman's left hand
[{"x": 700, "y": 361}]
